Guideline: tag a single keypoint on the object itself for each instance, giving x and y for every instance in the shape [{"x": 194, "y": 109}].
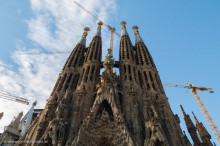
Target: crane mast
[
  {"x": 112, "y": 40},
  {"x": 201, "y": 105},
  {"x": 207, "y": 116}
]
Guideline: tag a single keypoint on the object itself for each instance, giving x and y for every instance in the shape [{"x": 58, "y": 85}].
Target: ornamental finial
[
  {"x": 137, "y": 35},
  {"x": 85, "y": 33},
  {"x": 135, "y": 29},
  {"x": 100, "y": 23},
  {"x": 123, "y": 23}
]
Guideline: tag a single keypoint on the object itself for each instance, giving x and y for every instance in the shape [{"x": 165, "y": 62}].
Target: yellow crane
[{"x": 201, "y": 105}]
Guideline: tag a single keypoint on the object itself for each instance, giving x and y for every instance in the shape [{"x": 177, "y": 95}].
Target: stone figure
[{"x": 57, "y": 132}]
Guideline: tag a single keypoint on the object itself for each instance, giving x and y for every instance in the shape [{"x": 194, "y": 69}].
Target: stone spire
[
  {"x": 89, "y": 77},
  {"x": 129, "y": 80},
  {"x": 126, "y": 47},
  {"x": 83, "y": 39},
  {"x": 197, "y": 121},
  {"x": 137, "y": 35},
  {"x": 77, "y": 55},
  {"x": 143, "y": 55},
  {"x": 94, "y": 51},
  {"x": 205, "y": 136},
  {"x": 184, "y": 113},
  {"x": 92, "y": 60},
  {"x": 149, "y": 79},
  {"x": 98, "y": 32},
  {"x": 67, "y": 79},
  {"x": 127, "y": 56},
  {"x": 124, "y": 31},
  {"x": 91, "y": 66},
  {"x": 191, "y": 128}
]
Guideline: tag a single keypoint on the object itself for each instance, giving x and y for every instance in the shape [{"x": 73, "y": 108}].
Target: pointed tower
[
  {"x": 127, "y": 57},
  {"x": 155, "y": 108},
  {"x": 91, "y": 70},
  {"x": 69, "y": 77},
  {"x": 131, "y": 101},
  {"x": 86, "y": 88},
  {"x": 149, "y": 77},
  {"x": 191, "y": 128},
  {"x": 55, "y": 115},
  {"x": 205, "y": 136}
]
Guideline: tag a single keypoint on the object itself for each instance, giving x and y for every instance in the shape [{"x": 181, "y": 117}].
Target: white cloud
[{"x": 55, "y": 26}]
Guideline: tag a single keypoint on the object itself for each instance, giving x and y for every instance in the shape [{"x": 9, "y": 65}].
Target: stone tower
[
  {"x": 200, "y": 137},
  {"x": 87, "y": 108}
]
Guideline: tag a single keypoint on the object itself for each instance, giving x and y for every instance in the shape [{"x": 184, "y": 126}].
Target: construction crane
[
  {"x": 199, "y": 101},
  {"x": 9, "y": 96},
  {"x": 112, "y": 29},
  {"x": 112, "y": 39}
]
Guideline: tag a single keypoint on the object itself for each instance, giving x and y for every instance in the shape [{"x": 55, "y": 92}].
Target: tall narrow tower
[
  {"x": 191, "y": 128},
  {"x": 87, "y": 108},
  {"x": 131, "y": 100},
  {"x": 85, "y": 93},
  {"x": 205, "y": 136}
]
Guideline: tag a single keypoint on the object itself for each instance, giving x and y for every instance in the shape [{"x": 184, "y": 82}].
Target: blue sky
[{"x": 182, "y": 36}]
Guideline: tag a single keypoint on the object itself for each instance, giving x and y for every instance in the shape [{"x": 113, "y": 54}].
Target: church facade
[{"x": 87, "y": 108}]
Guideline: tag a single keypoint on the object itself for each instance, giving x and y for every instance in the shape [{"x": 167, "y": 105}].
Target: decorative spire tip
[
  {"x": 197, "y": 121},
  {"x": 135, "y": 29},
  {"x": 182, "y": 110},
  {"x": 86, "y": 29},
  {"x": 100, "y": 23},
  {"x": 123, "y": 23},
  {"x": 85, "y": 33}
]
